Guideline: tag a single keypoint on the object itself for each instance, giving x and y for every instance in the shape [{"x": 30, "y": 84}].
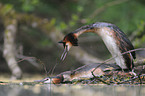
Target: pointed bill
[
  {"x": 63, "y": 56},
  {"x": 43, "y": 80}
]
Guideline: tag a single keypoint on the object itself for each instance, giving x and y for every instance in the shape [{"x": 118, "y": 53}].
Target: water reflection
[{"x": 72, "y": 90}]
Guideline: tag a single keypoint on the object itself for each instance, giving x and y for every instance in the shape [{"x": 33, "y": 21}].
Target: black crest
[{"x": 71, "y": 37}]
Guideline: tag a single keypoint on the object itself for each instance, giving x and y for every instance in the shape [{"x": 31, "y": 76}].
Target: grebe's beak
[
  {"x": 47, "y": 80},
  {"x": 64, "y": 53},
  {"x": 67, "y": 46},
  {"x": 68, "y": 41}
]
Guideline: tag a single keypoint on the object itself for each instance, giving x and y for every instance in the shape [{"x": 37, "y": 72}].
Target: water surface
[{"x": 71, "y": 90}]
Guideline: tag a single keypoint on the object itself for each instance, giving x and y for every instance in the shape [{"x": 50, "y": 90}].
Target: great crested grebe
[
  {"x": 54, "y": 80},
  {"x": 82, "y": 73},
  {"x": 115, "y": 40}
]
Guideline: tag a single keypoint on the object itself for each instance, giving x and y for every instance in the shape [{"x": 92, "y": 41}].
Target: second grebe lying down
[{"x": 115, "y": 40}]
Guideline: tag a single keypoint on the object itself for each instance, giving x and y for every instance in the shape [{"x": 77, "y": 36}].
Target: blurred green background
[{"x": 66, "y": 16}]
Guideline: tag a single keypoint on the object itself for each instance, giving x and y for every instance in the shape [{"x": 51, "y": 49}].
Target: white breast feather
[{"x": 112, "y": 47}]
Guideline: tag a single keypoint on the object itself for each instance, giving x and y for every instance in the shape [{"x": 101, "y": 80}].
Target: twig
[
  {"x": 43, "y": 66},
  {"x": 100, "y": 79},
  {"x": 31, "y": 60}
]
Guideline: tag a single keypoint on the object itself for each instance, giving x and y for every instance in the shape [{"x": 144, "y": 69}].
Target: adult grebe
[{"x": 115, "y": 40}]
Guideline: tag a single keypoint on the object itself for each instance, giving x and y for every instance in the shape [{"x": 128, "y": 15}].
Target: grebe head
[
  {"x": 68, "y": 41},
  {"x": 55, "y": 80}
]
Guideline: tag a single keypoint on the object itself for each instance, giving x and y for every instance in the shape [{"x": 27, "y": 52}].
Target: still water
[{"x": 71, "y": 90}]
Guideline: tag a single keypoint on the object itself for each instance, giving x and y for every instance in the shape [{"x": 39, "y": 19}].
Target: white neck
[{"x": 107, "y": 36}]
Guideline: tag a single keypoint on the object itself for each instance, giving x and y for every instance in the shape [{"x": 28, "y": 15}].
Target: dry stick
[
  {"x": 37, "y": 60},
  {"x": 62, "y": 58},
  {"x": 60, "y": 62},
  {"x": 54, "y": 68},
  {"x": 43, "y": 66},
  {"x": 115, "y": 57},
  {"x": 47, "y": 72},
  {"x": 100, "y": 80},
  {"x": 25, "y": 59}
]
